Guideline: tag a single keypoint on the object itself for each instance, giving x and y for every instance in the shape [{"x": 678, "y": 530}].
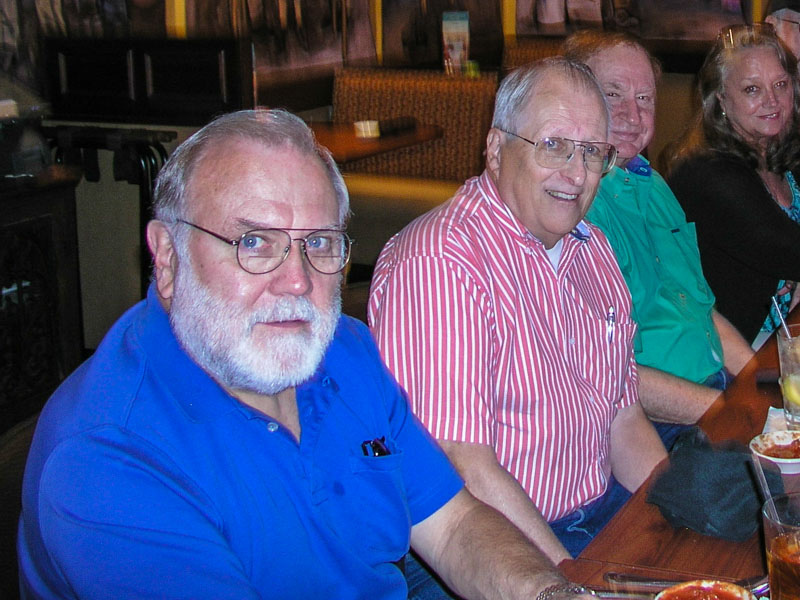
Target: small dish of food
[
  {"x": 705, "y": 590},
  {"x": 781, "y": 448}
]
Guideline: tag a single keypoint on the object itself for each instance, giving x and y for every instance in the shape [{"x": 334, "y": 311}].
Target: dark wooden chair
[
  {"x": 14, "y": 446},
  {"x": 354, "y": 299}
]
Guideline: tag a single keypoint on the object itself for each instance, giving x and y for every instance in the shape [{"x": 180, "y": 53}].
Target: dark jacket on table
[{"x": 747, "y": 242}]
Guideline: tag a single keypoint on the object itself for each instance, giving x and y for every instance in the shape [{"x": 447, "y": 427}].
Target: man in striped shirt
[{"x": 506, "y": 318}]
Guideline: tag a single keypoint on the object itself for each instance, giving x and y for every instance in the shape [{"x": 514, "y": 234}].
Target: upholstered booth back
[
  {"x": 526, "y": 50},
  {"x": 461, "y": 106}
]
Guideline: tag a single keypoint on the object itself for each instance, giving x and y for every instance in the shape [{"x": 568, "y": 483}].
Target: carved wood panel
[{"x": 40, "y": 320}]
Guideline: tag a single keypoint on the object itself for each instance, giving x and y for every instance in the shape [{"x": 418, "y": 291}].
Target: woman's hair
[
  {"x": 712, "y": 129},
  {"x": 690, "y": 142}
]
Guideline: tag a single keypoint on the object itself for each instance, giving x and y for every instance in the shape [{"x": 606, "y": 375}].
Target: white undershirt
[{"x": 554, "y": 253}]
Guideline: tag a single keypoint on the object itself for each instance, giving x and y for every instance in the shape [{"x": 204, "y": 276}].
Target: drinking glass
[
  {"x": 781, "y": 515},
  {"x": 789, "y": 355}
]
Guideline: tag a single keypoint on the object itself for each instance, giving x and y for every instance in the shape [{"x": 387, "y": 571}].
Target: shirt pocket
[
  {"x": 377, "y": 516},
  {"x": 603, "y": 352},
  {"x": 679, "y": 251}
]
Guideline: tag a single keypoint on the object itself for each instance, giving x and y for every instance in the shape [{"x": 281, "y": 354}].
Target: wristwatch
[{"x": 563, "y": 588}]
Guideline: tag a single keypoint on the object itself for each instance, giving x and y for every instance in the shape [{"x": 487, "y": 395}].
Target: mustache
[{"x": 286, "y": 309}]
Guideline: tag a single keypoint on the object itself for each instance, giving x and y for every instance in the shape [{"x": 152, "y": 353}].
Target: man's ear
[
  {"x": 165, "y": 259},
  {"x": 494, "y": 145}
]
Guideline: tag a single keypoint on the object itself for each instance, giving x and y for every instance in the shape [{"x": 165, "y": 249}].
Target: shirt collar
[
  {"x": 581, "y": 232},
  {"x": 639, "y": 165},
  {"x": 198, "y": 394}
]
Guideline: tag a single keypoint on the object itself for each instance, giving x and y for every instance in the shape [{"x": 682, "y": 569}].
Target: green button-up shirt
[{"x": 658, "y": 256}]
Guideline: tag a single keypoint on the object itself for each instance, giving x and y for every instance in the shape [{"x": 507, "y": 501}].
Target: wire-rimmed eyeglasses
[
  {"x": 555, "y": 152},
  {"x": 733, "y": 36},
  {"x": 263, "y": 250}
]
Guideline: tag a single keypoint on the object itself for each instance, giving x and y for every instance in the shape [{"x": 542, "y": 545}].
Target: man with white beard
[{"x": 234, "y": 436}]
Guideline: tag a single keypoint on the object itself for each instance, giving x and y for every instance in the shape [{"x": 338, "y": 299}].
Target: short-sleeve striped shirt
[{"x": 496, "y": 347}]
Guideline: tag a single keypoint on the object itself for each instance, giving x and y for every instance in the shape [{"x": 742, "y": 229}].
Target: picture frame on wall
[
  {"x": 412, "y": 32},
  {"x": 298, "y": 44},
  {"x": 295, "y": 45},
  {"x": 694, "y": 20}
]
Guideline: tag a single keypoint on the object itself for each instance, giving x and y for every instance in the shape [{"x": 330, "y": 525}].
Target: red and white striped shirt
[{"x": 495, "y": 346}]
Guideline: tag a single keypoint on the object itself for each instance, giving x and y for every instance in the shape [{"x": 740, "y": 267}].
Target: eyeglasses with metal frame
[
  {"x": 734, "y": 36},
  {"x": 555, "y": 152},
  {"x": 261, "y": 251}
]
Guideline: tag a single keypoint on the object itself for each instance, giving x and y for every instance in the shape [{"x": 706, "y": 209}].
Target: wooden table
[
  {"x": 639, "y": 540},
  {"x": 345, "y": 147}
]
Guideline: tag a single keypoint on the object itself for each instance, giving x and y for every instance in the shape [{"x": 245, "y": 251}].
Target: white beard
[{"x": 219, "y": 336}]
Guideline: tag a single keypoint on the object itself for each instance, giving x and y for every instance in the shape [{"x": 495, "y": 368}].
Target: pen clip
[
  {"x": 611, "y": 320},
  {"x": 376, "y": 447}
]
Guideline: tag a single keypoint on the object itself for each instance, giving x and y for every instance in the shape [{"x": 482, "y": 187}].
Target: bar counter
[{"x": 639, "y": 540}]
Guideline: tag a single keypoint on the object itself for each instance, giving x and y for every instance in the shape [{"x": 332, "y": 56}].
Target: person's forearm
[
  {"x": 635, "y": 448},
  {"x": 488, "y": 481},
  {"x": 672, "y": 399},
  {"x": 482, "y": 555},
  {"x": 736, "y": 349}
]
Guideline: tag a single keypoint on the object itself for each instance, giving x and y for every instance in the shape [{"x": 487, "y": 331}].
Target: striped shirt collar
[{"x": 638, "y": 165}]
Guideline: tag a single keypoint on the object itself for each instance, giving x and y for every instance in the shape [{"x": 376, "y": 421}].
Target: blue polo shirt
[{"x": 146, "y": 479}]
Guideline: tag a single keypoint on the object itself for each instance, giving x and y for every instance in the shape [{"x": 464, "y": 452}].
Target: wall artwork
[
  {"x": 299, "y": 40},
  {"x": 294, "y": 41},
  {"x": 25, "y": 23},
  {"x": 650, "y": 19},
  {"x": 412, "y": 31}
]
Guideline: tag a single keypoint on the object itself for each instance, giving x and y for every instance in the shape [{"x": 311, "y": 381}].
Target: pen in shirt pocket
[
  {"x": 376, "y": 447},
  {"x": 611, "y": 320}
]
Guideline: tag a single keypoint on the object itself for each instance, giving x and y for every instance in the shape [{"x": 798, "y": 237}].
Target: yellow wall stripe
[
  {"x": 508, "y": 16},
  {"x": 756, "y": 11},
  {"x": 176, "y": 18},
  {"x": 376, "y": 16}
]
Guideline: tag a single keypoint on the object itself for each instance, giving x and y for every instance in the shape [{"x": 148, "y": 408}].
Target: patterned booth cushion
[
  {"x": 529, "y": 49},
  {"x": 461, "y": 106}
]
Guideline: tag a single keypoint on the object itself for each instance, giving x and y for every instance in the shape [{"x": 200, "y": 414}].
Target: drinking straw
[
  {"x": 780, "y": 316},
  {"x": 762, "y": 483}
]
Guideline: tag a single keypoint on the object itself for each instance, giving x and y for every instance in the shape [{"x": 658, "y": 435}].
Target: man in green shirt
[{"x": 685, "y": 349}]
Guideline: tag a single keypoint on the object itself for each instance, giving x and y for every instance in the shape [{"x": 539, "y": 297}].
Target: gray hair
[
  {"x": 521, "y": 85},
  {"x": 272, "y": 128}
]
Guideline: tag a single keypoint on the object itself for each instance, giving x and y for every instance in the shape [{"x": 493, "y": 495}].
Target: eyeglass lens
[
  {"x": 264, "y": 250},
  {"x": 554, "y": 152}
]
